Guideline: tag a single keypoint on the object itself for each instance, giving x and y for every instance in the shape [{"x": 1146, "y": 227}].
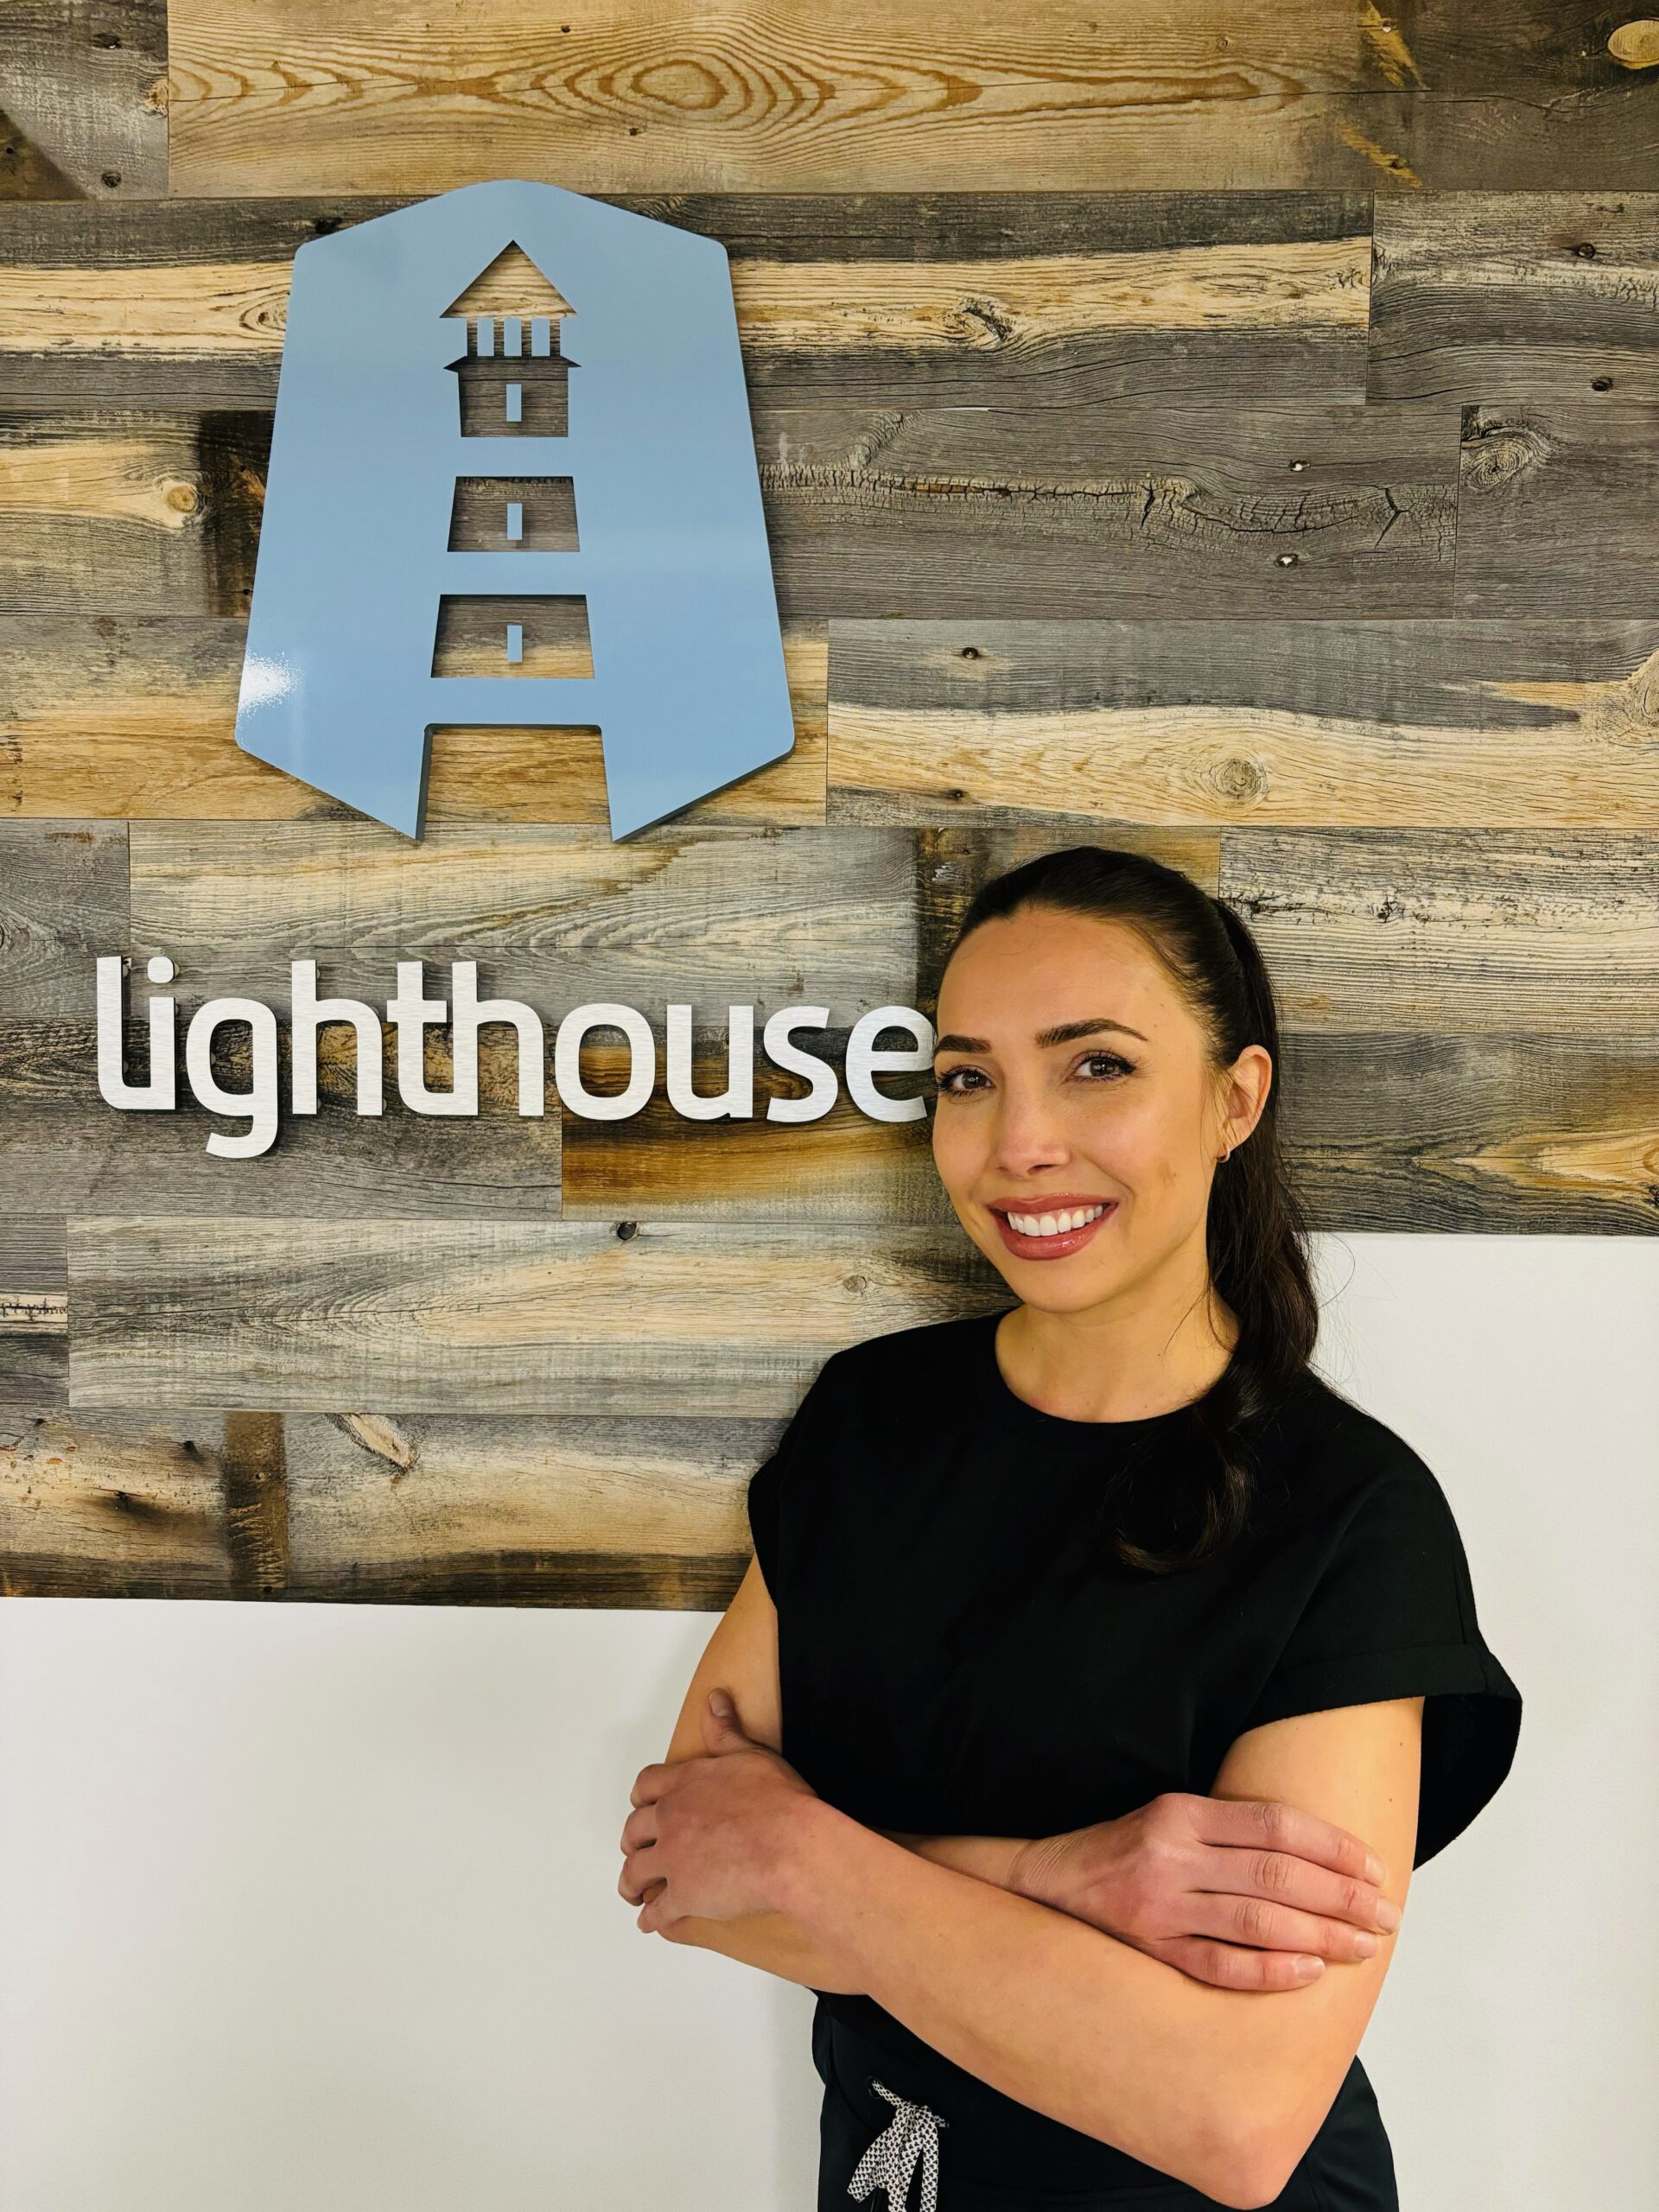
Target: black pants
[{"x": 1348, "y": 2169}]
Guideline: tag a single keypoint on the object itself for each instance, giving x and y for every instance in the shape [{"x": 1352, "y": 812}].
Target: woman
[{"x": 1102, "y": 1673}]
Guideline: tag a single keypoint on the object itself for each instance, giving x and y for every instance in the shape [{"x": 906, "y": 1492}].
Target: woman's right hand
[{"x": 1236, "y": 1892}]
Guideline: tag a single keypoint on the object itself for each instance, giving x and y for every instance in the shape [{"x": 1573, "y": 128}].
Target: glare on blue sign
[{"x": 418, "y": 441}]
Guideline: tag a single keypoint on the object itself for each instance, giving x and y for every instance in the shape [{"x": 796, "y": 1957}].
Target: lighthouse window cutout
[
  {"x": 512, "y": 315},
  {"x": 466, "y": 526}
]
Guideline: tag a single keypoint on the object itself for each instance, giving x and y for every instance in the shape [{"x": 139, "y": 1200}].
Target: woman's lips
[{"x": 1057, "y": 1247}]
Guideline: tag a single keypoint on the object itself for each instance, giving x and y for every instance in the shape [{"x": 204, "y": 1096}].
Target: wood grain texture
[
  {"x": 1556, "y": 510},
  {"x": 554, "y": 915},
  {"x": 1375, "y": 929},
  {"x": 61, "y": 1147},
  {"x": 1298, "y": 534},
  {"x": 1476, "y": 723},
  {"x": 1491, "y": 296},
  {"x": 85, "y": 95},
  {"x": 63, "y": 900},
  {"x": 497, "y": 1317},
  {"x": 499, "y": 1510},
  {"x": 33, "y": 1307},
  {"x": 134, "y": 718},
  {"x": 117, "y": 1504},
  {"x": 774, "y": 94}
]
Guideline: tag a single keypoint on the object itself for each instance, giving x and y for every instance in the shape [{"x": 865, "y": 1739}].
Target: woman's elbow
[
  {"x": 1246, "y": 2169},
  {"x": 1252, "y": 2157}
]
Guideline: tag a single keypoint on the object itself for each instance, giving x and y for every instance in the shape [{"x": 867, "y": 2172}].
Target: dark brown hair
[{"x": 1256, "y": 1232}]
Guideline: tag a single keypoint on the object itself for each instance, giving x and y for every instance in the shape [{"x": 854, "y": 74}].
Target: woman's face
[{"x": 1077, "y": 1124}]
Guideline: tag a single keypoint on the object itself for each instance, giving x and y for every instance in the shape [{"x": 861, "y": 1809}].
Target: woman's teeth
[{"x": 1054, "y": 1224}]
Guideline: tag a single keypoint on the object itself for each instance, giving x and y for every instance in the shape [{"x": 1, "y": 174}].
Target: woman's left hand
[{"x": 711, "y": 1837}]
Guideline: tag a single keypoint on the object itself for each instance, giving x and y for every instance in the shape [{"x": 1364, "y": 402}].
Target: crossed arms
[{"x": 964, "y": 1940}]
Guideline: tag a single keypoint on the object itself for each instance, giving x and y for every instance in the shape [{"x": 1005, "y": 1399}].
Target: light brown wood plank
[
  {"x": 844, "y": 1167},
  {"x": 773, "y": 95},
  {"x": 498, "y": 1317},
  {"x": 429, "y": 1509},
  {"x": 117, "y": 1504},
  {"x": 1480, "y": 724}
]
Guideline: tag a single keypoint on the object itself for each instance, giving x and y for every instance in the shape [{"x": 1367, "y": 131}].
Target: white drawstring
[{"x": 912, "y": 2134}]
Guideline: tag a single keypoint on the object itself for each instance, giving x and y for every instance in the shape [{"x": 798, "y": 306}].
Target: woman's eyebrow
[{"x": 1067, "y": 1033}]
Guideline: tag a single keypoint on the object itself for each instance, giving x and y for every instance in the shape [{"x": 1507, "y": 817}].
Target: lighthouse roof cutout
[
  {"x": 511, "y": 284},
  {"x": 689, "y": 688}
]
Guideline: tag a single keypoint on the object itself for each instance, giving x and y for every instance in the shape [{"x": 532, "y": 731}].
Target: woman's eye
[
  {"x": 1101, "y": 1066},
  {"x": 955, "y": 1081}
]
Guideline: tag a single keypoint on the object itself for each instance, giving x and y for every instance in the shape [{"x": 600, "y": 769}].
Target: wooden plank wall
[{"x": 1285, "y": 509}]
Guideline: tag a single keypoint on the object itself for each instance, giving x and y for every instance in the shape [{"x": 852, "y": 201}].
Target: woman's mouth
[{"x": 1051, "y": 1232}]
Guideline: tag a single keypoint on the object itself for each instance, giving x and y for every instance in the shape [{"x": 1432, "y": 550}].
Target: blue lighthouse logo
[{"x": 513, "y": 483}]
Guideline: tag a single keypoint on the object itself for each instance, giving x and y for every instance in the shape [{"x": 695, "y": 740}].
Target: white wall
[{"x": 314, "y": 1907}]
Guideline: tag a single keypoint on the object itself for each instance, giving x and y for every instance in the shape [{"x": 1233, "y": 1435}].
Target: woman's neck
[{"x": 1091, "y": 1366}]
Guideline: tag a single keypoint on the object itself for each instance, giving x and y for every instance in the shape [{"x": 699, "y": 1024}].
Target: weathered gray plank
[
  {"x": 85, "y": 97},
  {"x": 554, "y": 915},
  {"x": 499, "y": 1317},
  {"x": 1482, "y": 724},
  {"x": 1491, "y": 296},
  {"x": 1433, "y": 931},
  {"x": 61, "y": 1145},
  {"x": 63, "y": 900},
  {"x": 1507, "y": 1134},
  {"x": 34, "y": 1306},
  {"x": 1556, "y": 513}
]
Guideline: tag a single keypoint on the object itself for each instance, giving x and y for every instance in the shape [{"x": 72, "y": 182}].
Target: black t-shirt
[{"x": 961, "y": 1653}]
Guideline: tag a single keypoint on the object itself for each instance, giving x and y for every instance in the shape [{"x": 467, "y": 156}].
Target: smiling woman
[{"x": 1103, "y": 1673}]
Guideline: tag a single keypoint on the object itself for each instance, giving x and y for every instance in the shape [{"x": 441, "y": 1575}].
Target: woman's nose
[{"x": 1029, "y": 1136}]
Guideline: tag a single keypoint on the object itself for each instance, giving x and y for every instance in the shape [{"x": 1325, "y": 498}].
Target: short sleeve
[
  {"x": 768, "y": 1484},
  {"x": 1390, "y": 1613}
]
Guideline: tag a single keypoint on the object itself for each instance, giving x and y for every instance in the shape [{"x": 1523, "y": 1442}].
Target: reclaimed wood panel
[
  {"x": 773, "y": 94},
  {"x": 554, "y": 916},
  {"x": 1395, "y": 1130},
  {"x": 1376, "y": 930},
  {"x": 845, "y": 1167},
  {"x": 33, "y": 1307},
  {"x": 497, "y": 1317},
  {"x": 1557, "y": 511},
  {"x": 1491, "y": 296},
  {"x": 63, "y": 1147},
  {"x": 1504, "y": 1133},
  {"x": 116, "y": 1505},
  {"x": 895, "y": 300},
  {"x": 86, "y": 99},
  {"x": 135, "y": 718},
  {"x": 1480, "y": 724},
  {"x": 63, "y": 900},
  {"x": 567, "y": 1511}
]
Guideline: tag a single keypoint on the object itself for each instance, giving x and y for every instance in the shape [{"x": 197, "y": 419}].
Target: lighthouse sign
[{"x": 513, "y": 484}]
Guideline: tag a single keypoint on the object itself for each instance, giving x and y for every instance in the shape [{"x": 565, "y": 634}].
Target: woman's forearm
[
  {"x": 778, "y": 1944},
  {"x": 1048, "y": 2009}
]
